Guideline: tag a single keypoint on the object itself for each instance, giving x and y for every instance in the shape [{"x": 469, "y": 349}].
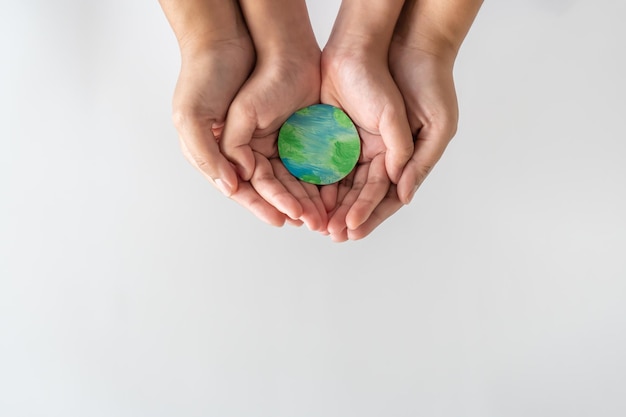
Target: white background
[{"x": 130, "y": 287}]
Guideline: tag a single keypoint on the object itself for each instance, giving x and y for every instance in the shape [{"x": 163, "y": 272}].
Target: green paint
[{"x": 319, "y": 144}]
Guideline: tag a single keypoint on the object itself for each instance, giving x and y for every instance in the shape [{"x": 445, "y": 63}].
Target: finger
[
  {"x": 429, "y": 147},
  {"x": 343, "y": 187},
  {"x": 201, "y": 149},
  {"x": 236, "y": 136},
  {"x": 272, "y": 190},
  {"x": 396, "y": 135},
  {"x": 311, "y": 216},
  {"x": 382, "y": 212},
  {"x": 371, "y": 195},
  {"x": 251, "y": 200},
  {"x": 314, "y": 194},
  {"x": 337, "y": 221},
  {"x": 328, "y": 194},
  {"x": 346, "y": 185}
]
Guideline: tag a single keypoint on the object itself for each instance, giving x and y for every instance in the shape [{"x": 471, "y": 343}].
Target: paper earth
[{"x": 319, "y": 144}]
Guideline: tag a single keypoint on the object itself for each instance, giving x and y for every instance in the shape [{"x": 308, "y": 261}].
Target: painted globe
[{"x": 319, "y": 144}]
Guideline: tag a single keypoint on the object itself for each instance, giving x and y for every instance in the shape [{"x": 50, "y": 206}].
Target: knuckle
[
  {"x": 242, "y": 109},
  {"x": 347, "y": 182},
  {"x": 264, "y": 177},
  {"x": 448, "y": 127},
  {"x": 182, "y": 117},
  {"x": 378, "y": 180},
  {"x": 453, "y": 130},
  {"x": 358, "y": 183},
  {"x": 406, "y": 151},
  {"x": 200, "y": 163}
]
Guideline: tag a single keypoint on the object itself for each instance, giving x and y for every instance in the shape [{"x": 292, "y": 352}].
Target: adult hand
[
  {"x": 208, "y": 81},
  {"x": 285, "y": 79},
  {"x": 425, "y": 44},
  {"x": 217, "y": 56},
  {"x": 427, "y": 85}
]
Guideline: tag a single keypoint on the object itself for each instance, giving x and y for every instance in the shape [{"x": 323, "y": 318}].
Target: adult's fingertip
[
  {"x": 295, "y": 211},
  {"x": 408, "y": 184},
  {"x": 411, "y": 194},
  {"x": 394, "y": 168},
  {"x": 406, "y": 191}
]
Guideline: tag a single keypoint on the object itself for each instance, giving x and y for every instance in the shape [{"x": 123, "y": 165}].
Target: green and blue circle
[{"x": 319, "y": 144}]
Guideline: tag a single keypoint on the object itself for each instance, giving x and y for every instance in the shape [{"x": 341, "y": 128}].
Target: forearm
[
  {"x": 198, "y": 24},
  {"x": 366, "y": 24},
  {"x": 279, "y": 27},
  {"x": 437, "y": 27}
]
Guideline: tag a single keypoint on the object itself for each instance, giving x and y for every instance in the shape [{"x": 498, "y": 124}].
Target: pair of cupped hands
[{"x": 230, "y": 102}]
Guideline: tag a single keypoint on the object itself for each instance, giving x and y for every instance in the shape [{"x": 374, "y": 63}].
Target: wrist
[
  {"x": 191, "y": 47},
  {"x": 199, "y": 24},
  {"x": 304, "y": 49},
  {"x": 366, "y": 27},
  {"x": 289, "y": 33},
  {"x": 194, "y": 48},
  {"x": 430, "y": 50},
  {"x": 302, "y": 66},
  {"x": 436, "y": 28},
  {"x": 409, "y": 60},
  {"x": 428, "y": 41}
]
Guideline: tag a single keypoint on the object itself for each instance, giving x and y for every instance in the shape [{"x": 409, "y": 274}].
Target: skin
[
  {"x": 218, "y": 61},
  {"x": 285, "y": 79},
  {"x": 423, "y": 50},
  {"x": 357, "y": 78},
  {"x": 394, "y": 80},
  {"x": 217, "y": 56}
]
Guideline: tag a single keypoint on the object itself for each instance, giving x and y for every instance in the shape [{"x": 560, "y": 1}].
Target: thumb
[
  {"x": 429, "y": 148},
  {"x": 236, "y": 137},
  {"x": 396, "y": 135}
]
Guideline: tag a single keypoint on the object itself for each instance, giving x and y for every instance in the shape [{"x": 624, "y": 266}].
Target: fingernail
[{"x": 224, "y": 187}]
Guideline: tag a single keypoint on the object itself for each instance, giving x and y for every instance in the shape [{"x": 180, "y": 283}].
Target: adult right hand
[{"x": 426, "y": 83}]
